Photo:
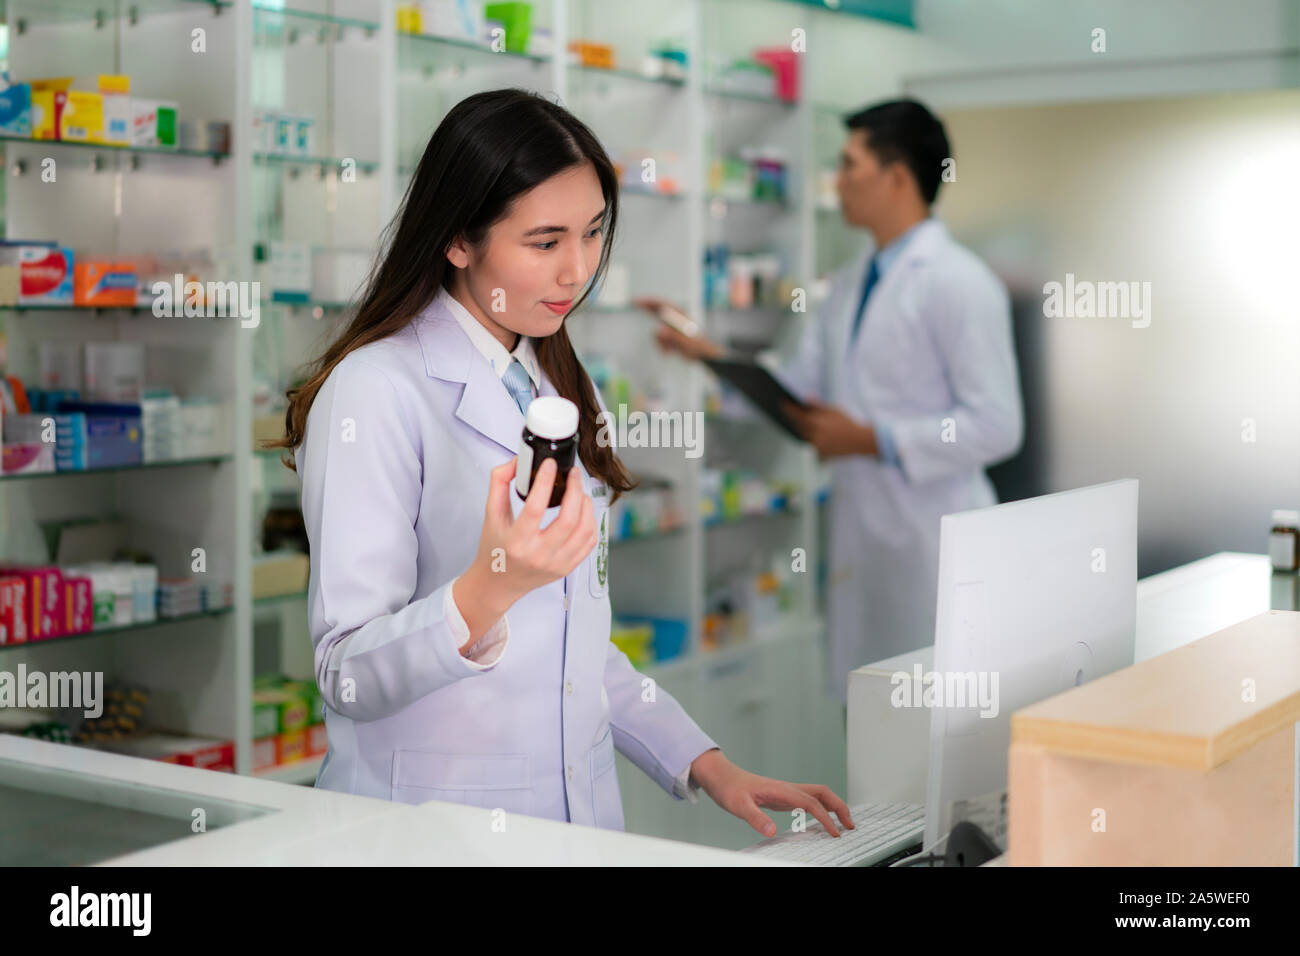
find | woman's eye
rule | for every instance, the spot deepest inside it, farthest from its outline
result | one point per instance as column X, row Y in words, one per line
column 545, row 246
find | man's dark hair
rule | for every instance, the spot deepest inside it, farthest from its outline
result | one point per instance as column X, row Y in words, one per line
column 907, row 132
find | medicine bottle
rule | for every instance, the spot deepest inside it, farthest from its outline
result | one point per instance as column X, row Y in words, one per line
column 550, row 431
column 1284, row 541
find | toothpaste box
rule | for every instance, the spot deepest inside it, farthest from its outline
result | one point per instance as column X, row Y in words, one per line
column 47, row 112
column 97, row 282
column 16, row 109
column 45, row 610
column 95, row 108
column 118, row 112
column 13, row 609
column 79, row 607
column 27, row 458
column 199, row 752
column 153, row 122
column 82, row 117
column 45, row 272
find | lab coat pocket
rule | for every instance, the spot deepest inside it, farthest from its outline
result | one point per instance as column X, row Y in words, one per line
column 598, row 560
column 606, row 800
column 480, row 780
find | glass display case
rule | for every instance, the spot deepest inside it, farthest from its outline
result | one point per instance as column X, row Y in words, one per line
column 66, row 806
column 52, row 817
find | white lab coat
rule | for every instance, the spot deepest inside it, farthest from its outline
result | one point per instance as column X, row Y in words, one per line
column 934, row 360
column 394, row 468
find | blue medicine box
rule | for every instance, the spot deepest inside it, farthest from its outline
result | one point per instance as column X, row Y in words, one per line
column 113, row 435
column 16, row 109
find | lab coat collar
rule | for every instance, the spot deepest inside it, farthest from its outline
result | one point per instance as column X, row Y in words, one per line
column 498, row 356
column 924, row 242
column 929, row 237
column 485, row 405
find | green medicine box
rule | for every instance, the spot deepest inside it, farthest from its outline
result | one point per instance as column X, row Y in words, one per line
column 277, row 711
column 517, row 20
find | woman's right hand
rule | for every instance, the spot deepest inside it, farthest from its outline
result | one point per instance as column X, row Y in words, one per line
column 514, row 555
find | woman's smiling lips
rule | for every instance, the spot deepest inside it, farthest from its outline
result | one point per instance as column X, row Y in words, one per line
column 559, row 308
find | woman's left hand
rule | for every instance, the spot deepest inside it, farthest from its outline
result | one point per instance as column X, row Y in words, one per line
column 742, row 793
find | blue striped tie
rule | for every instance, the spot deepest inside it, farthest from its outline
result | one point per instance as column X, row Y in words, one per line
column 518, row 384
column 873, row 274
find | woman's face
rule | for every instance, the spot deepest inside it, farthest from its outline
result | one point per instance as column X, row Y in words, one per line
column 544, row 251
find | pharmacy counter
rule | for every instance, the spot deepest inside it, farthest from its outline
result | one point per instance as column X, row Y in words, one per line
column 67, row 805
column 1186, row 603
column 888, row 746
column 64, row 805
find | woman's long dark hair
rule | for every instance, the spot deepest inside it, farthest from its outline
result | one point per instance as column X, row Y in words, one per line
column 488, row 149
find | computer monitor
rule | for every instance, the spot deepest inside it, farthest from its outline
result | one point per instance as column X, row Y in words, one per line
column 1035, row 597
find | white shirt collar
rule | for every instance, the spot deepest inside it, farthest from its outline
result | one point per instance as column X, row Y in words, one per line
column 488, row 345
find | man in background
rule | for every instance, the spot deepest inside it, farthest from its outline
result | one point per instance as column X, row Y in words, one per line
column 910, row 380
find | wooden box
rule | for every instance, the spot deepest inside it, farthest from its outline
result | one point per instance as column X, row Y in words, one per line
column 1186, row 759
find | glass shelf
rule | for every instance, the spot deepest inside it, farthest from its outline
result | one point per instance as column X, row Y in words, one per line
column 747, row 201
column 770, row 99
column 309, row 304
column 18, row 13
column 425, row 45
column 626, row 190
column 83, row 309
column 122, row 628
column 273, row 599
column 787, row 512
column 112, row 148
column 283, row 159
column 144, row 466
column 263, row 8
column 657, row 535
column 596, row 72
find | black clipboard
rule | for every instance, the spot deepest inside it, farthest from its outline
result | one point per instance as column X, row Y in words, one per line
column 761, row 388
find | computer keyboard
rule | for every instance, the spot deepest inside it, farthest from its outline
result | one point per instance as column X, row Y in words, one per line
column 880, row 830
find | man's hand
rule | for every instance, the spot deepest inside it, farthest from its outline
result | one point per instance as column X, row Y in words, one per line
column 671, row 340
column 742, row 794
column 832, row 432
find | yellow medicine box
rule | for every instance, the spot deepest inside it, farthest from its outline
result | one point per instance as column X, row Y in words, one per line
column 82, row 119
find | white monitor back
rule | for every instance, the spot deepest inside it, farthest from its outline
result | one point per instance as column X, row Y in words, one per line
column 1035, row 597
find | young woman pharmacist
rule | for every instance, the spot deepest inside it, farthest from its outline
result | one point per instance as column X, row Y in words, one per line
column 461, row 634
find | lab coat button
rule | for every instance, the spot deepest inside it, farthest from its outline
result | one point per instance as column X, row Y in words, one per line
column 570, row 772
column 566, row 602
column 568, row 688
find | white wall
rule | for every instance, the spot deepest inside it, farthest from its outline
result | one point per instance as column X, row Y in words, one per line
column 1199, row 197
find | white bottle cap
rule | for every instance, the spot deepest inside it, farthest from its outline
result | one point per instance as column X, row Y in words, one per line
column 1281, row 517
column 552, row 418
